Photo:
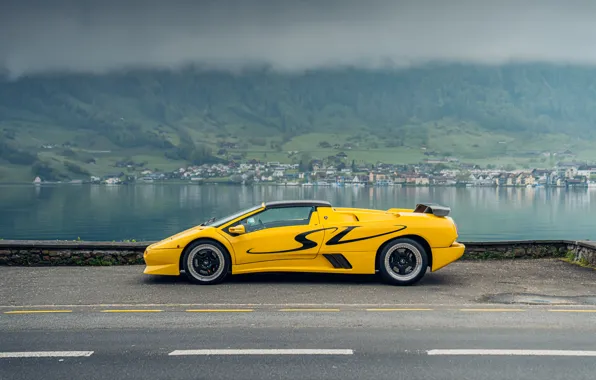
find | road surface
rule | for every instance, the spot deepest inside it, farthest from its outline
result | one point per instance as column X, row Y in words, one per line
column 491, row 320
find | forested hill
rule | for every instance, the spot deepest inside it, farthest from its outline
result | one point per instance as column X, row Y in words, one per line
column 454, row 109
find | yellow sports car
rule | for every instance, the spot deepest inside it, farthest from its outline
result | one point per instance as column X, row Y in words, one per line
column 312, row 236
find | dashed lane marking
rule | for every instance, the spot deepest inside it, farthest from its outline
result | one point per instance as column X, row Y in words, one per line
column 513, row 352
column 291, row 308
column 131, row 311
column 36, row 311
column 219, row 310
column 310, row 310
column 492, row 310
column 574, row 310
column 262, row 352
column 402, row 309
column 44, row 354
column 297, row 351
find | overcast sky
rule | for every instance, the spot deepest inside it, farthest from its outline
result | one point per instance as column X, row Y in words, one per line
column 96, row 36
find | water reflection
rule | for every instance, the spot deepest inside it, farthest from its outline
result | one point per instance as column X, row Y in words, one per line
column 154, row 211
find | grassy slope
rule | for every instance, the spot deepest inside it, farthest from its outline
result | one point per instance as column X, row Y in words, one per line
column 467, row 142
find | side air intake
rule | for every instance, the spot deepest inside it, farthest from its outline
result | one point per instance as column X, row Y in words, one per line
column 338, row 260
column 432, row 208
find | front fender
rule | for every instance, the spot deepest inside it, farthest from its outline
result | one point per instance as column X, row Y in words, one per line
column 164, row 256
column 209, row 233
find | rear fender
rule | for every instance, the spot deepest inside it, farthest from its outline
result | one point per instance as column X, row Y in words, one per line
column 419, row 239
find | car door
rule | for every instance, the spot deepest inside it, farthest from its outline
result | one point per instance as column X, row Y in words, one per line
column 277, row 233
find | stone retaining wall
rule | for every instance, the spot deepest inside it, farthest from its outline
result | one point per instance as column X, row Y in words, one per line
column 73, row 253
column 516, row 249
column 583, row 252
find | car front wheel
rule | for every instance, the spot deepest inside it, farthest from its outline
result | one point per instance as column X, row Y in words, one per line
column 403, row 262
column 206, row 262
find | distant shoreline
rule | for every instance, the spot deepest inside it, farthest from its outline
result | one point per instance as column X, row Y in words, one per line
column 299, row 185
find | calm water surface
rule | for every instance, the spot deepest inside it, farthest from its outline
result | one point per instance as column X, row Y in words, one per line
column 154, row 211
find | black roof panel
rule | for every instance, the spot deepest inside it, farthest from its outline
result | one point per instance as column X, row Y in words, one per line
column 292, row 203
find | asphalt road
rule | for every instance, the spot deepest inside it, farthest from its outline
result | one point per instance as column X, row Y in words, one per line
column 494, row 320
column 460, row 283
column 299, row 345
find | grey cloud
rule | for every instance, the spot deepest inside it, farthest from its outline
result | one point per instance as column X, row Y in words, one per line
column 97, row 36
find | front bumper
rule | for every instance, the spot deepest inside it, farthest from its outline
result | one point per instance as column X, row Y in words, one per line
column 162, row 261
column 445, row 256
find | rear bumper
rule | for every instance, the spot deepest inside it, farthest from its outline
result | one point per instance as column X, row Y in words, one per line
column 162, row 261
column 445, row 256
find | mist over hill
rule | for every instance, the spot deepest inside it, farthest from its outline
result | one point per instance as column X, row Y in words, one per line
column 182, row 116
column 90, row 87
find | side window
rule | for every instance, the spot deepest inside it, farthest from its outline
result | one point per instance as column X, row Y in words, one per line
column 278, row 217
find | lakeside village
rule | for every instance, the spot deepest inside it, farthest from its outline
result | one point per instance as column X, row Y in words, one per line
column 431, row 172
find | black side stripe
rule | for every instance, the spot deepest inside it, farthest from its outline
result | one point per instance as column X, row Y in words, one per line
column 337, row 238
column 338, row 260
column 300, row 238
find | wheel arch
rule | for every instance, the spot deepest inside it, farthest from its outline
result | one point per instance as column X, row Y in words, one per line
column 208, row 240
column 416, row 238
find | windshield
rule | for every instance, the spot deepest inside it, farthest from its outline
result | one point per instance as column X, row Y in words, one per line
column 226, row 219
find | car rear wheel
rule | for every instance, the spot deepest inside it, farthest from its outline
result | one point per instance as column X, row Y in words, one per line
column 403, row 262
column 206, row 262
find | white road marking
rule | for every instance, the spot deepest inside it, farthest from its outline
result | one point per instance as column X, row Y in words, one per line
column 262, row 352
column 44, row 354
column 483, row 352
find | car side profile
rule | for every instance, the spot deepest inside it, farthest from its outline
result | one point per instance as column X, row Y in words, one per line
column 312, row 237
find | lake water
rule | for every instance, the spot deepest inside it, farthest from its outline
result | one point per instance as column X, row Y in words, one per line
column 155, row 211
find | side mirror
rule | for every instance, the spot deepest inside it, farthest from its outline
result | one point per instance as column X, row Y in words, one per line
column 239, row 229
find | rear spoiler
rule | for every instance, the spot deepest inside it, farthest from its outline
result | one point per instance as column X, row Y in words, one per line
column 432, row 208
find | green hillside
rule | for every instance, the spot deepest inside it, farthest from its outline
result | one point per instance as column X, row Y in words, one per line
column 163, row 120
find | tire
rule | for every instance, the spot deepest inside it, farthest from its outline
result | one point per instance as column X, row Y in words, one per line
column 404, row 253
column 215, row 267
